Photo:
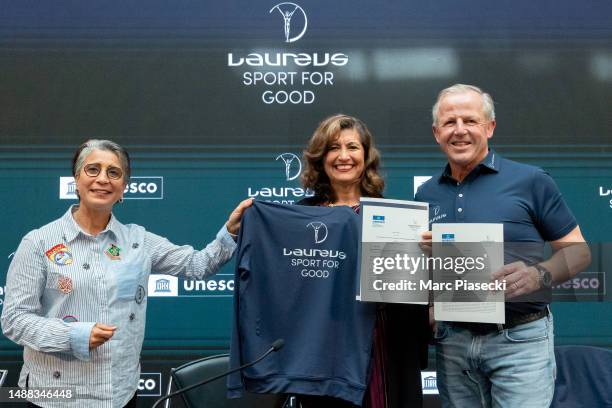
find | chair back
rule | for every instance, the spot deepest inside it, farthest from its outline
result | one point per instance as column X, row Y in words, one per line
column 213, row 394
column 584, row 377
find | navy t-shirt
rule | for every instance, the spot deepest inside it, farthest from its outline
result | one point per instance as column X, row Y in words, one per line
column 524, row 198
column 296, row 279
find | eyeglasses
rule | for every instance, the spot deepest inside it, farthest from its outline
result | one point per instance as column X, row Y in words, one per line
column 93, row 170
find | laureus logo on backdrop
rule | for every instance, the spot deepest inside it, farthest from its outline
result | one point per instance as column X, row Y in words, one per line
column 288, row 77
column 288, row 159
column 287, row 10
column 291, row 169
column 605, row 192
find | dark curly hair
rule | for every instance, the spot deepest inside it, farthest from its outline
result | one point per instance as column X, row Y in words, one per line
column 314, row 176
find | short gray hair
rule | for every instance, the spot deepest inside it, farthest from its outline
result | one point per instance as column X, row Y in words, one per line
column 89, row 146
column 487, row 102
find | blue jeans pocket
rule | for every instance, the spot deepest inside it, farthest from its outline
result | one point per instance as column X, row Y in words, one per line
column 528, row 332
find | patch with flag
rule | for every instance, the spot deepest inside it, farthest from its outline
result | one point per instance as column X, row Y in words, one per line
column 113, row 252
column 59, row 255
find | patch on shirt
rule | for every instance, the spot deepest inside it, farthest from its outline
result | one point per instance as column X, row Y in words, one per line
column 113, row 252
column 69, row 319
column 140, row 294
column 64, row 284
column 59, row 255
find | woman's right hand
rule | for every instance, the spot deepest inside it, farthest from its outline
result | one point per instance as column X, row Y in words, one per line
column 233, row 223
column 100, row 334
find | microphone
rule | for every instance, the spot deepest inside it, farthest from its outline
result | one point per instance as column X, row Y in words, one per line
column 275, row 346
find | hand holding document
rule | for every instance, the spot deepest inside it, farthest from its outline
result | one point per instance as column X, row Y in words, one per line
column 392, row 263
column 395, row 268
column 464, row 292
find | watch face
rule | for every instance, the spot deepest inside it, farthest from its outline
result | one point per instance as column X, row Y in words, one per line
column 545, row 276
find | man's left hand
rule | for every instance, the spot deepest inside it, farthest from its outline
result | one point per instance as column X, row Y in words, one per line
column 520, row 279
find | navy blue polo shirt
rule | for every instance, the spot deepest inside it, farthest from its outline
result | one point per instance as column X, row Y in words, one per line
column 522, row 197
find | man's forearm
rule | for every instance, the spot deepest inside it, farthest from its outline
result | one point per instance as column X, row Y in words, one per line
column 567, row 261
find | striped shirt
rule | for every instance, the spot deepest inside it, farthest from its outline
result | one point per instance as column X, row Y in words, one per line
column 62, row 281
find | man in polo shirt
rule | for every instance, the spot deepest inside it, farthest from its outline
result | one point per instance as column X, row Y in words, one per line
column 484, row 365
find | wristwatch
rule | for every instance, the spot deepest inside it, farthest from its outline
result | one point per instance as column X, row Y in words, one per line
column 545, row 277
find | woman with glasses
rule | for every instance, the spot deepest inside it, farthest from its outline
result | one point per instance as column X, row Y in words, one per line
column 76, row 290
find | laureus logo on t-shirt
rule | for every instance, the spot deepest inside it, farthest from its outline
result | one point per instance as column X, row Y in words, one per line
column 315, row 262
column 320, row 231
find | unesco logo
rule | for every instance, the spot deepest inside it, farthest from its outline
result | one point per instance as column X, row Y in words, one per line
column 144, row 188
column 429, row 383
column 289, row 159
column 162, row 285
column 320, row 231
column 149, row 385
column 139, row 188
column 294, row 17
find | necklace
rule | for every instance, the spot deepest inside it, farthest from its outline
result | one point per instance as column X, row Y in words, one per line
column 337, row 205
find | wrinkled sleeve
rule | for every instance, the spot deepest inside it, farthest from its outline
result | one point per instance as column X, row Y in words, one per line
column 553, row 217
column 171, row 259
column 21, row 316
